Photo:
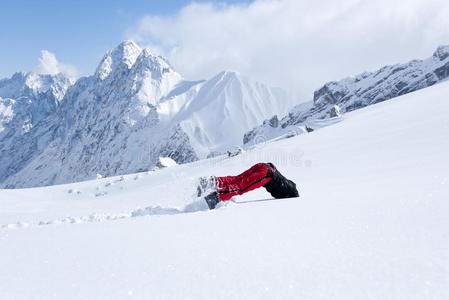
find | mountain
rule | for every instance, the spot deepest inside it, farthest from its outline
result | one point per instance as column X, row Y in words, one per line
column 26, row 99
column 356, row 92
column 215, row 118
column 133, row 110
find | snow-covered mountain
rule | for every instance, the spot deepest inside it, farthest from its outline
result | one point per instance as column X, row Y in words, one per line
column 26, row 99
column 356, row 92
column 134, row 109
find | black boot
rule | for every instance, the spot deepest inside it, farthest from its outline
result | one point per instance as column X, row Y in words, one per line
column 212, row 200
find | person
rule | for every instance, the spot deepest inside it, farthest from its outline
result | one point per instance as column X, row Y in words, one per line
column 216, row 189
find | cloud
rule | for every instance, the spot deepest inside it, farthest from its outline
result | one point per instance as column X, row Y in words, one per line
column 48, row 64
column 295, row 44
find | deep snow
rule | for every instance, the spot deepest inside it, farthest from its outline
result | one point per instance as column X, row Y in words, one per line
column 371, row 222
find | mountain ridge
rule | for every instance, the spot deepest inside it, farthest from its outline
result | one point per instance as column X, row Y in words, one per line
column 132, row 110
column 352, row 93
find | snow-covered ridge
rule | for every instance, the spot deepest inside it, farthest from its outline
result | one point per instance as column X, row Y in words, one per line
column 32, row 84
column 26, row 99
column 134, row 109
column 356, row 92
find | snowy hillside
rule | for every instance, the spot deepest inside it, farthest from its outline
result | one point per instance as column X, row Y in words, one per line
column 134, row 109
column 371, row 222
column 356, row 92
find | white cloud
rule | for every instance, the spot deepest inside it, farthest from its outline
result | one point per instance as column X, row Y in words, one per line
column 296, row 44
column 48, row 64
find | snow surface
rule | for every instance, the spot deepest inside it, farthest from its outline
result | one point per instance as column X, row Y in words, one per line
column 371, row 222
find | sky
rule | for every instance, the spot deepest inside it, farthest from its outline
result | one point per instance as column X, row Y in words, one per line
column 77, row 32
column 295, row 44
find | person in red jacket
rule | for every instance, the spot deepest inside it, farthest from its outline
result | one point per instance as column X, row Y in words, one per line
column 265, row 175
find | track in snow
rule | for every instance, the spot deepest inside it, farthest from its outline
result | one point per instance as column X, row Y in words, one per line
column 102, row 217
column 195, row 206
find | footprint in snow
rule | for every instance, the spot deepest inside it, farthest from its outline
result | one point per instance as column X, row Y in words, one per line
column 100, row 194
column 73, row 191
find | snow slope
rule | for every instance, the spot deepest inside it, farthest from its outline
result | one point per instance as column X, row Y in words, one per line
column 371, row 222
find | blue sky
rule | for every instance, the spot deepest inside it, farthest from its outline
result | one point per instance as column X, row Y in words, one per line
column 295, row 44
column 78, row 32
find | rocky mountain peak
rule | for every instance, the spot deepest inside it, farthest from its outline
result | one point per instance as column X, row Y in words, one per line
column 118, row 59
column 442, row 52
column 32, row 84
column 127, row 52
column 157, row 65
